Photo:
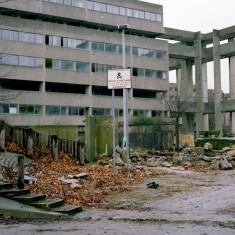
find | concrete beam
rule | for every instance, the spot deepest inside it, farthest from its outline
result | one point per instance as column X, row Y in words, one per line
column 177, row 35
column 179, row 51
column 227, row 33
column 174, row 64
column 227, row 50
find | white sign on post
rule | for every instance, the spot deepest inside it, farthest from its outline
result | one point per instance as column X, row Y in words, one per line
column 119, row 79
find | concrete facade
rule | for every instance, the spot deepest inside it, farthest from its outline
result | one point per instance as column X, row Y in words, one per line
column 73, row 48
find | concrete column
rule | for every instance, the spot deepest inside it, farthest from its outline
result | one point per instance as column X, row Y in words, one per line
column 198, row 83
column 178, row 80
column 186, row 95
column 42, row 88
column 205, row 95
column 88, row 90
column 2, row 135
column 232, row 89
column 166, row 111
column 186, row 84
column 217, row 81
column 187, row 123
column 130, row 92
column 148, row 113
column 130, row 113
column 89, row 95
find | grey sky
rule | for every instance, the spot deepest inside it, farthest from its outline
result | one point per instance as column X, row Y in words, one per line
column 200, row 15
column 197, row 15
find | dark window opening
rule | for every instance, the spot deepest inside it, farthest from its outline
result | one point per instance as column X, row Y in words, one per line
column 105, row 91
column 48, row 63
column 20, row 85
column 144, row 94
column 65, row 88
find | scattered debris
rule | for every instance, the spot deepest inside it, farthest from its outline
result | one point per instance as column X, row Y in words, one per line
column 79, row 176
column 178, row 168
column 88, row 185
column 225, row 165
column 152, row 185
column 29, row 180
column 69, row 180
column 225, row 149
column 208, row 146
column 166, row 164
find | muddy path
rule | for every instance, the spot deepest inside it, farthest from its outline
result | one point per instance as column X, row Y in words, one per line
column 184, row 203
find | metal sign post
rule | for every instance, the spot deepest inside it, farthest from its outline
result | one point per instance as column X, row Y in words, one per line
column 120, row 79
column 113, row 123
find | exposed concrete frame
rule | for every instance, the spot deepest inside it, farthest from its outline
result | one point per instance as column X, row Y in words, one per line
column 193, row 46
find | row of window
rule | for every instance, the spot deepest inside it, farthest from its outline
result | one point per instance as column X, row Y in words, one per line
column 67, row 65
column 74, row 3
column 149, row 73
column 116, row 10
column 111, row 9
column 66, row 42
column 37, row 109
column 105, row 47
column 136, row 72
column 77, row 66
column 109, row 47
column 79, row 44
column 61, row 110
column 12, row 35
column 22, row 109
column 21, row 60
column 75, row 111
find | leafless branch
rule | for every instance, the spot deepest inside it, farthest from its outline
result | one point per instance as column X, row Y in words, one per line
column 6, row 72
column 5, row 96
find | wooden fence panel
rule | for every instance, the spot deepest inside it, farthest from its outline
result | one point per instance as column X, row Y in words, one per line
column 145, row 137
column 20, row 136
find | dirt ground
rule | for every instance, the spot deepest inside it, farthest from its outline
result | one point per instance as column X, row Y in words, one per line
column 186, row 202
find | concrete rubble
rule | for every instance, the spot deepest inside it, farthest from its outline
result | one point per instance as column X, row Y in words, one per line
column 188, row 158
column 74, row 181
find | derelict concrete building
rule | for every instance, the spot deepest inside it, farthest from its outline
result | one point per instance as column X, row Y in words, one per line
column 55, row 55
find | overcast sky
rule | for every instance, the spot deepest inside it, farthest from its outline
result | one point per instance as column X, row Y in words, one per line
column 200, row 15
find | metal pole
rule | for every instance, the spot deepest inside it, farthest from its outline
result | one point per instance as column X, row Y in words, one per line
column 113, row 115
column 223, row 115
column 125, row 107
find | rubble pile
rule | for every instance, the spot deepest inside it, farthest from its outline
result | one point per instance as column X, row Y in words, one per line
column 193, row 158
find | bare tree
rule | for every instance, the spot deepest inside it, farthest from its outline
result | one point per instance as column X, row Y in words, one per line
column 179, row 102
column 7, row 71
